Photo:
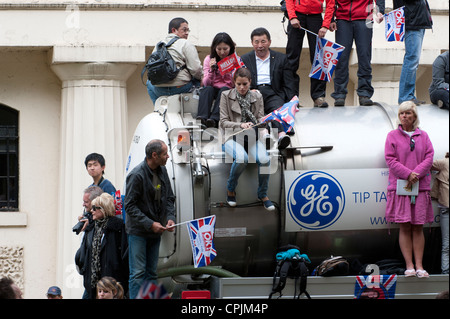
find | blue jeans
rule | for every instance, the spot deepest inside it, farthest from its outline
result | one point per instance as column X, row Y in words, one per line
column 444, row 232
column 257, row 151
column 156, row 91
column 143, row 256
column 413, row 48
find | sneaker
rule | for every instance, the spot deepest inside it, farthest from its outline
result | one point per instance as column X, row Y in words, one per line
column 283, row 142
column 365, row 101
column 417, row 102
column 320, row 102
column 268, row 205
column 440, row 103
column 339, row 102
column 231, row 200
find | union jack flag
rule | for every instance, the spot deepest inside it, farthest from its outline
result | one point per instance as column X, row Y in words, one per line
column 285, row 114
column 201, row 233
column 395, row 25
column 375, row 287
column 326, row 58
column 152, row 290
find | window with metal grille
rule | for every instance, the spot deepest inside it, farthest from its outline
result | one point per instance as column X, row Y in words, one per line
column 9, row 159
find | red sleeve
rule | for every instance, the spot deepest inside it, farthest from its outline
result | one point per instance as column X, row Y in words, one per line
column 329, row 11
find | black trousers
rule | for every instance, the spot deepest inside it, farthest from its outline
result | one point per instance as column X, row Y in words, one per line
column 207, row 96
column 313, row 23
column 272, row 101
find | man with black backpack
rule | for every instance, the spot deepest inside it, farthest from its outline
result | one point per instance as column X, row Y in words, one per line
column 184, row 64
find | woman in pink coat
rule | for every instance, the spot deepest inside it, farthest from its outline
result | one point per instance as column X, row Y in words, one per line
column 213, row 82
column 409, row 156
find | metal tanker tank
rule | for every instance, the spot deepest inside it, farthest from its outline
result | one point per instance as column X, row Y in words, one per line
column 339, row 150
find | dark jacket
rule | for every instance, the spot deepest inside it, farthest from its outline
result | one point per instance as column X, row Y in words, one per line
column 417, row 14
column 113, row 255
column 440, row 75
column 141, row 209
column 281, row 77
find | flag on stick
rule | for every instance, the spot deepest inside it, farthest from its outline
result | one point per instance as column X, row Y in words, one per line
column 285, row 114
column 201, row 233
column 395, row 25
column 325, row 60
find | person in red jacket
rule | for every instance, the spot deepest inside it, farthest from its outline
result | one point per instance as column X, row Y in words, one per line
column 307, row 14
column 354, row 19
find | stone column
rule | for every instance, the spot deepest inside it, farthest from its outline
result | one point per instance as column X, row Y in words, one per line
column 93, row 119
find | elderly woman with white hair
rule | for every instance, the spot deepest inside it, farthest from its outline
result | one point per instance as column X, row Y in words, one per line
column 409, row 156
column 104, row 247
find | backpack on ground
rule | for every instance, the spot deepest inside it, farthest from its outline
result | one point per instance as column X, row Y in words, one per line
column 386, row 267
column 333, row 266
column 290, row 264
column 161, row 67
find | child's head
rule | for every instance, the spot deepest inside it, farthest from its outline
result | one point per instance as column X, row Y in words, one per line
column 95, row 164
column 109, row 288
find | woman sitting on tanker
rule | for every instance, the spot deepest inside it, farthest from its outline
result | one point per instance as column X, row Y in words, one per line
column 409, row 156
column 213, row 82
column 241, row 109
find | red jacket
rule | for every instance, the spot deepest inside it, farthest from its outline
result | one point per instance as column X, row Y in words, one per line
column 311, row 7
column 356, row 9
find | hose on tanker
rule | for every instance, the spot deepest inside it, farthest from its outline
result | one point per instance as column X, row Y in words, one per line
column 191, row 270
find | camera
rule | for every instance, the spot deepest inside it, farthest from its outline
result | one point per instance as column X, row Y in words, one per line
column 77, row 228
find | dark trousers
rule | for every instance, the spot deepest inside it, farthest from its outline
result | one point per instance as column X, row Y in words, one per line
column 272, row 101
column 207, row 96
column 294, row 46
column 440, row 94
column 346, row 32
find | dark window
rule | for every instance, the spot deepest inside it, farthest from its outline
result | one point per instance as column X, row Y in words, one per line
column 9, row 159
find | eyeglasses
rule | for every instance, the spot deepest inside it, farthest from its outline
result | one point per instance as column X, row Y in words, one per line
column 96, row 207
column 412, row 144
column 186, row 30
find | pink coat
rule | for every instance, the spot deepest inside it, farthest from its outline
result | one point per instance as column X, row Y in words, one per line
column 214, row 78
column 402, row 161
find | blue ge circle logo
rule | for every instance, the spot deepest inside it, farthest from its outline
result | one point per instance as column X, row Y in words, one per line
column 315, row 200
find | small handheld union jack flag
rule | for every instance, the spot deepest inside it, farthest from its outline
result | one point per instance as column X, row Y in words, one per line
column 285, row 114
column 201, row 233
column 152, row 290
column 325, row 60
column 375, row 287
column 395, row 25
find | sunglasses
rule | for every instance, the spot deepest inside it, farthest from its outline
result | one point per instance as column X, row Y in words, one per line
column 96, row 207
column 412, row 144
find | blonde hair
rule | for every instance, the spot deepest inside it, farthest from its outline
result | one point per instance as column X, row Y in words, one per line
column 409, row 106
column 110, row 284
column 106, row 202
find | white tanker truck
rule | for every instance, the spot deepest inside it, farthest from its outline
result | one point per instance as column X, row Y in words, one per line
column 336, row 151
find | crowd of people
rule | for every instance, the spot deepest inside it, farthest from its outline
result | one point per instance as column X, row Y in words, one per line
column 116, row 258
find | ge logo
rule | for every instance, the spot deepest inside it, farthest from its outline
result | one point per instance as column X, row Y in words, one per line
column 315, row 200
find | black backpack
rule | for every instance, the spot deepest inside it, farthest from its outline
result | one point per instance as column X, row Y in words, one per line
column 295, row 268
column 160, row 67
